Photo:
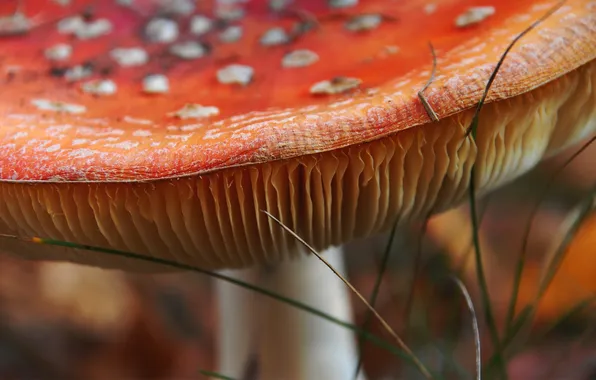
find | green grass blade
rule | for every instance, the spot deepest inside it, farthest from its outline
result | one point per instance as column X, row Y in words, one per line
column 540, row 336
column 265, row 292
column 447, row 351
column 374, row 294
column 526, row 318
column 522, row 257
column 577, row 309
column 415, row 272
column 475, row 328
column 401, row 343
column 584, row 212
column 472, row 130
column 507, row 339
column 482, row 282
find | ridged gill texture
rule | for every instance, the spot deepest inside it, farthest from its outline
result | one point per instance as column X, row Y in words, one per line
column 215, row 220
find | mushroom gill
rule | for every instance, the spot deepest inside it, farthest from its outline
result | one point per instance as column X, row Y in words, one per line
column 214, row 220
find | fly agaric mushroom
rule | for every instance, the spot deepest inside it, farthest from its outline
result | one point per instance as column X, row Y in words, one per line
column 308, row 110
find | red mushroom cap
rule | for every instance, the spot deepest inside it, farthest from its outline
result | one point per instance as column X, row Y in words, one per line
column 166, row 127
column 113, row 131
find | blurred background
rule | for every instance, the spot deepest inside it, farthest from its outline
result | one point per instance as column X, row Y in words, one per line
column 63, row 321
column 67, row 322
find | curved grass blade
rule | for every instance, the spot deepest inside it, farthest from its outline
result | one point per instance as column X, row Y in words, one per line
column 583, row 213
column 415, row 271
column 423, row 370
column 427, row 107
column 373, row 297
column 434, row 117
column 475, row 327
column 385, row 258
column 474, row 127
column 533, row 213
column 267, row 293
column 482, row 281
column 465, row 257
column 514, row 323
column 527, row 316
column 541, row 336
column 472, row 130
column 577, row 309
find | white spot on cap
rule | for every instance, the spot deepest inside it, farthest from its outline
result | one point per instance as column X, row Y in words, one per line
column 126, row 57
column 391, row 49
column 20, row 135
column 335, row 86
column 48, row 105
column 231, row 34
column 84, row 30
column 299, row 58
column 58, row 52
column 156, row 84
column 70, row 24
column 195, row 111
column 100, row 87
column 278, row 5
column 200, row 25
column 162, row 30
column 212, row 134
column 188, row 50
column 78, row 72
column 89, row 131
column 12, row 69
column 430, row 8
column 190, row 127
column 94, row 29
column 179, row 137
column 80, row 141
column 363, row 22
column 474, row 15
column 142, row 133
column 275, row 36
column 342, row 3
column 53, row 148
column 16, row 23
column 541, row 7
column 81, row 153
column 228, row 12
column 134, row 120
column 235, row 73
column 62, row 2
column 126, row 145
column 387, row 51
column 180, row 7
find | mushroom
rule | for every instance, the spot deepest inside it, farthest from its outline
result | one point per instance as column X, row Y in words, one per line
column 337, row 144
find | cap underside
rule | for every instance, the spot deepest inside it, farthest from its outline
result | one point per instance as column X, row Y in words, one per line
column 215, row 220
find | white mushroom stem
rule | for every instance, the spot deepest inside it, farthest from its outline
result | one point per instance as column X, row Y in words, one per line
column 293, row 344
column 237, row 313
